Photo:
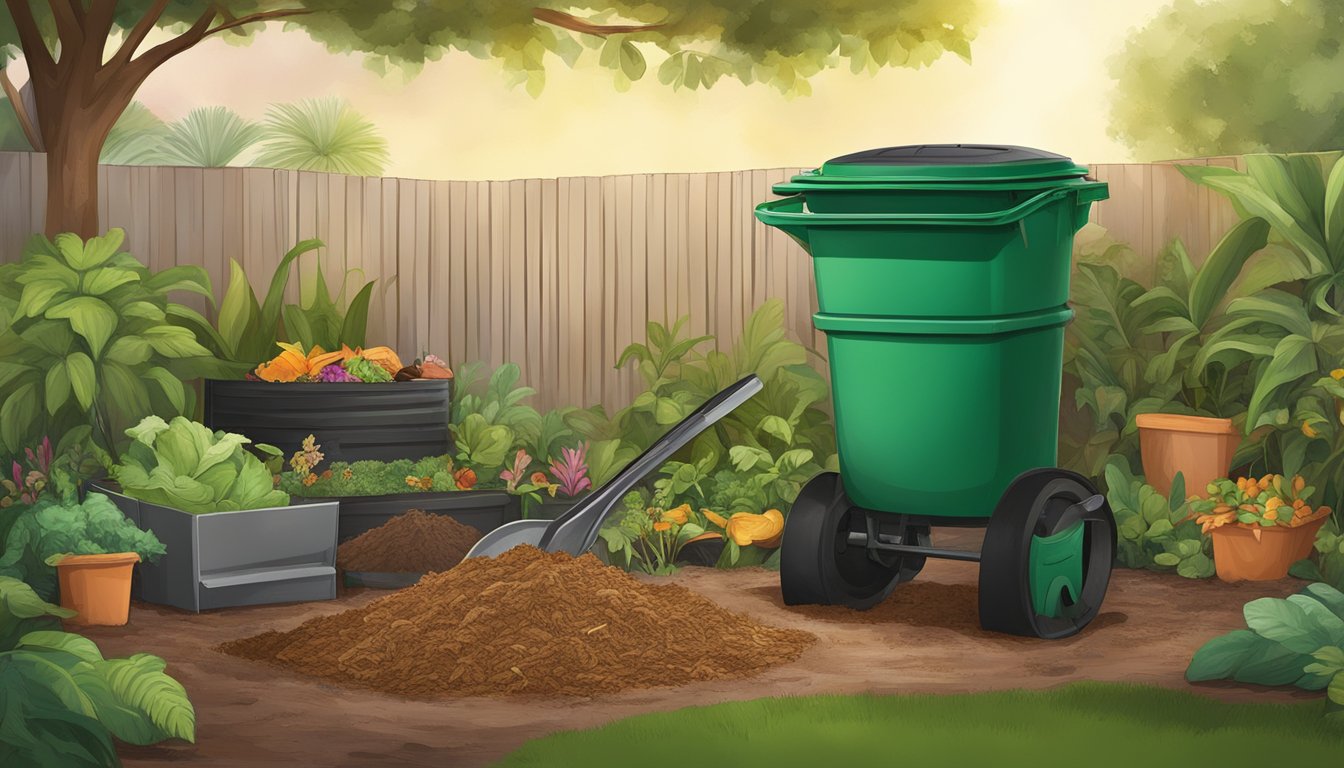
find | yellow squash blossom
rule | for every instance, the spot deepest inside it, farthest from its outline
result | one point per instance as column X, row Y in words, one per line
column 746, row 528
column 714, row 518
column 678, row 515
column 662, row 525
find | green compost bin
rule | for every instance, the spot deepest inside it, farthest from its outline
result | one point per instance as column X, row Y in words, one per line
column 952, row 231
column 942, row 276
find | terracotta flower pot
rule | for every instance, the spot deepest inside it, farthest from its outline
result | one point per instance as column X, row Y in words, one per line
column 1239, row 556
column 1198, row 447
column 98, row 587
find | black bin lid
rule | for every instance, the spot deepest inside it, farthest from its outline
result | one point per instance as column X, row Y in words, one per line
column 946, row 163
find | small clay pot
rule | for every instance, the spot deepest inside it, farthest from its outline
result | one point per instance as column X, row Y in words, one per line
column 97, row 587
column 1198, row 447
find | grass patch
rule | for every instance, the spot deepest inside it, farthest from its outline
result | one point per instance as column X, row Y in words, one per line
column 1085, row 724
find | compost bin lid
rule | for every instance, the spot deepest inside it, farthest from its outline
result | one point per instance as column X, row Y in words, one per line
column 946, row 163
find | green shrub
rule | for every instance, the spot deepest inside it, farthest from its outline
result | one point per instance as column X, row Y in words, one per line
column 43, row 532
column 1296, row 641
column 1155, row 532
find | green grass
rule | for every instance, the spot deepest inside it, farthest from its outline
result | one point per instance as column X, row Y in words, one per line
column 1085, row 725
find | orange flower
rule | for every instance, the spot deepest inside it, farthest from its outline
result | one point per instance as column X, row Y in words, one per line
column 326, row 474
column 678, row 515
column 714, row 518
column 309, row 479
column 764, row 530
column 465, row 479
column 412, row 481
column 539, row 478
column 662, row 525
column 347, row 474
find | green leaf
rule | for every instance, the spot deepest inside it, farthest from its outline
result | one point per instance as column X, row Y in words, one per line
column 356, row 322
column 1327, row 595
column 82, row 378
column 237, row 312
column 1285, row 623
column 99, row 281
column 130, row 350
column 185, row 277
column 1294, row 357
column 144, row 310
column 172, row 388
column 56, row 389
column 89, row 317
column 1334, row 212
column 1214, row 279
column 173, row 341
column 17, row 415
column 80, row 647
column 297, row 326
column 151, row 705
column 39, row 296
column 1220, row 657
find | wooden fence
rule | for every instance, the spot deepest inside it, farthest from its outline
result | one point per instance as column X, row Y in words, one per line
column 558, row 275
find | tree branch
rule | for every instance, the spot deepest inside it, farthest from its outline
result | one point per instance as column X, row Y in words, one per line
column 21, row 111
column 69, row 27
column 263, row 16
column 139, row 32
column 575, row 24
column 35, row 51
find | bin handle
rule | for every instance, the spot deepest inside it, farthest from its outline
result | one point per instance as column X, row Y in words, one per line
column 789, row 210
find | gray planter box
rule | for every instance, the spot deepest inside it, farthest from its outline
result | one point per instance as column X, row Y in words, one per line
column 229, row 559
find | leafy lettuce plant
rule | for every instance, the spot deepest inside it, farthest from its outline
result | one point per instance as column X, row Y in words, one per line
column 64, row 702
column 1295, row 641
column 1156, row 532
column 185, row 466
column 49, row 530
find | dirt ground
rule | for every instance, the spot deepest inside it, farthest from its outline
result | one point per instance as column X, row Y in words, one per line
column 925, row 638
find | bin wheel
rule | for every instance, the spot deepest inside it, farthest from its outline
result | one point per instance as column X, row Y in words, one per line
column 1032, row 514
column 818, row 565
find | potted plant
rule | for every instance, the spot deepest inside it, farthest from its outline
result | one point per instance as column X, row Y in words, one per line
column 1260, row 527
column 369, row 493
column 87, row 547
column 548, row 496
column 232, row 538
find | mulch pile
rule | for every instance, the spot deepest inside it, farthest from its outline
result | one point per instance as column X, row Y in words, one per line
column 528, row 622
column 414, row 542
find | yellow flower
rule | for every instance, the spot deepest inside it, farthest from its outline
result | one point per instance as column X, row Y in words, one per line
column 678, row 515
column 1272, row 505
column 662, row 525
column 1308, row 431
column 347, row 474
column 413, row 481
column 714, row 518
column 309, row 479
column 1337, row 374
column 1298, row 484
column 1271, row 515
column 764, row 530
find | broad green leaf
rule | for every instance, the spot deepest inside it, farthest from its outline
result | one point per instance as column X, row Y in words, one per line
column 356, row 322
column 1220, row 657
column 89, row 317
column 122, row 390
column 1334, row 212
column 1253, row 198
column 1294, row 357
column 144, row 310
column 270, row 309
column 172, row 388
column 18, row 600
column 42, row 668
column 78, row 646
column 82, row 379
column 777, row 426
column 236, row 313
column 56, row 389
column 17, row 414
column 174, row 341
column 99, row 281
column 184, row 277
column 1285, row 623
column 130, row 350
column 1275, row 307
column 1327, row 595
column 1224, row 264
column 139, row 684
column 39, row 296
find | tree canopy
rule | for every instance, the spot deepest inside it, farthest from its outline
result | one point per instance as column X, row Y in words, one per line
column 1233, row 77
column 85, row 59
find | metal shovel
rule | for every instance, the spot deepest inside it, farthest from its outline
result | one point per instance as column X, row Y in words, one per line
column 576, row 530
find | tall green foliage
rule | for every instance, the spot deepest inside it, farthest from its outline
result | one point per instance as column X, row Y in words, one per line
column 137, row 138
column 209, row 137
column 324, row 134
column 89, row 335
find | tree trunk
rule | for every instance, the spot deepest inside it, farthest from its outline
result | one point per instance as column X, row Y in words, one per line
column 72, row 181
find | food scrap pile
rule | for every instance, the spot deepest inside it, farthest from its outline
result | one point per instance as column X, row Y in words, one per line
column 528, row 622
column 414, row 542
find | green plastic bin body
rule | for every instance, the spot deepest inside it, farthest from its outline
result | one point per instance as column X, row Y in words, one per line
column 936, row 417
column 942, row 276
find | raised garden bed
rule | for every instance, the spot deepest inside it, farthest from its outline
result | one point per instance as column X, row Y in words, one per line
column 353, row 421
column 482, row 510
column 228, row 559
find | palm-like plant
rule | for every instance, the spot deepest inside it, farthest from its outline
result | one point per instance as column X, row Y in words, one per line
column 210, row 137
column 136, row 139
column 323, row 134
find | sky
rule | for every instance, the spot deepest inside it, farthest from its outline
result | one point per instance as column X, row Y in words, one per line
column 1039, row 78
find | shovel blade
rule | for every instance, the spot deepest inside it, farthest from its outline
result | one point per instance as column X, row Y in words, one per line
column 508, row 536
